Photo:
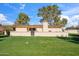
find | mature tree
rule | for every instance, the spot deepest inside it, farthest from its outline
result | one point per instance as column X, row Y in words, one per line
column 23, row 19
column 49, row 12
column 60, row 22
column 52, row 15
column 64, row 21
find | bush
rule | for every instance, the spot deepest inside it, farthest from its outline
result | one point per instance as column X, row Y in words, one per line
column 75, row 35
column 1, row 33
column 8, row 32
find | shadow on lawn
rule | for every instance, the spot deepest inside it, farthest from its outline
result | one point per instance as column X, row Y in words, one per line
column 70, row 39
column 2, row 37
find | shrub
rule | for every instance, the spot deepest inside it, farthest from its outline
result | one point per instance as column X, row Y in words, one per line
column 8, row 32
column 1, row 33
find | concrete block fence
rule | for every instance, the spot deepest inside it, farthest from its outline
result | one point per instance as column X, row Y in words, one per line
column 19, row 33
column 52, row 34
column 49, row 34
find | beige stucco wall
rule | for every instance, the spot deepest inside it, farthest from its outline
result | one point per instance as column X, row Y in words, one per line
column 55, row 29
column 72, row 31
column 52, row 34
column 45, row 26
column 49, row 34
column 21, row 29
column 20, row 33
column 42, row 29
column 39, row 29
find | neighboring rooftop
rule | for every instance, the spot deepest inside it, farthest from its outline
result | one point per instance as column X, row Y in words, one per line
column 1, row 29
column 70, row 28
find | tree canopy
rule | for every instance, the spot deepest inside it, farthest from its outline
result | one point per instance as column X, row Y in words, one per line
column 52, row 15
column 22, row 19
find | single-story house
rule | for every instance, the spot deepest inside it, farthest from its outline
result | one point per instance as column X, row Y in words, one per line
column 44, row 27
column 38, row 30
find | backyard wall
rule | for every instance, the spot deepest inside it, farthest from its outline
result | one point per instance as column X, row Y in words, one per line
column 21, row 29
column 50, row 34
column 39, row 29
column 20, row 33
column 55, row 29
column 72, row 31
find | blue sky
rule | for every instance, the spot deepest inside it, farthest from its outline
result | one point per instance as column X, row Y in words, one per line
column 9, row 12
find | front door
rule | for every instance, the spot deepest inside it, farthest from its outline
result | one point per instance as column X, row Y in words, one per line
column 32, row 31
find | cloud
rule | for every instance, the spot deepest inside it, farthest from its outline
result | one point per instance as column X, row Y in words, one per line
column 2, row 17
column 76, row 17
column 75, row 20
column 68, row 19
column 12, row 7
column 72, row 21
column 72, row 11
column 72, row 15
column 22, row 6
column 63, row 16
column 4, row 21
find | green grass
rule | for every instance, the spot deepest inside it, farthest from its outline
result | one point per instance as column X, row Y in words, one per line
column 39, row 46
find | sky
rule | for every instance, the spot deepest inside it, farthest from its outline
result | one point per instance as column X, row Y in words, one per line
column 9, row 12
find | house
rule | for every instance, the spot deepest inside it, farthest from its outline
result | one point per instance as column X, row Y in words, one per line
column 38, row 30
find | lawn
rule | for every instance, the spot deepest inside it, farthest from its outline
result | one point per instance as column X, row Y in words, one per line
column 39, row 46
